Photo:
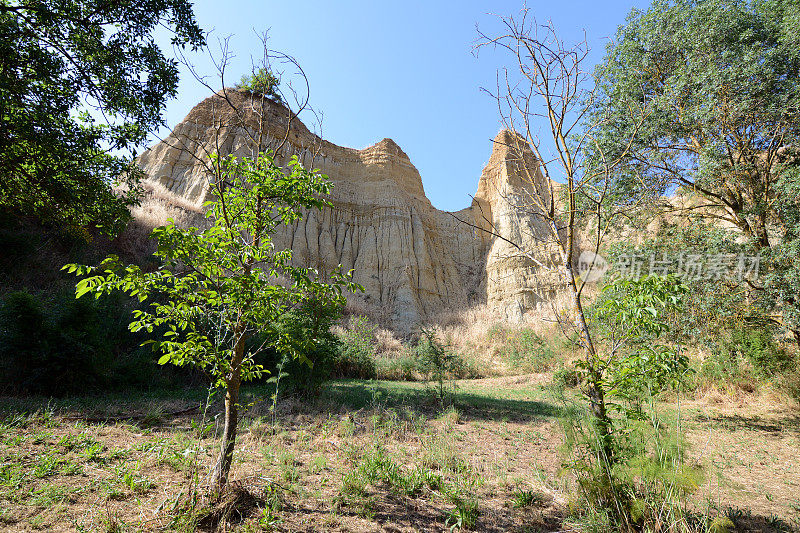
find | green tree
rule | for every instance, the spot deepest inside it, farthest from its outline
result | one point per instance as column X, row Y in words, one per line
column 219, row 287
column 261, row 81
column 436, row 362
column 82, row 83
column 717, row 82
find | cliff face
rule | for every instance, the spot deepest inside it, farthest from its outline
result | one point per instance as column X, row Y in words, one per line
column 413, row 260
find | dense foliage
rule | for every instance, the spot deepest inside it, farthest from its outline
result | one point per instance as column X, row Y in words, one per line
column 708, row 91
column 262, row 81
column 628, row 473
column 357, row 349
column 311, row 321
column 82, row 83
column 54, row 345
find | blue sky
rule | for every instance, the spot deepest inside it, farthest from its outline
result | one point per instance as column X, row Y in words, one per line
column 403, row 70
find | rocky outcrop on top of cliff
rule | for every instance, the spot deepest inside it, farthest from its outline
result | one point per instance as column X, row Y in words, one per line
column 414, row 260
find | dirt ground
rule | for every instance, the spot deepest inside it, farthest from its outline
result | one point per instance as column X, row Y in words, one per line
column 367, row 456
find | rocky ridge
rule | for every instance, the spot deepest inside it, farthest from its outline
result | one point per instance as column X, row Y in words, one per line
column 414, row 260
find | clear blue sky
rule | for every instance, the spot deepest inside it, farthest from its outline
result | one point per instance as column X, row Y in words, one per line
column 403, row 70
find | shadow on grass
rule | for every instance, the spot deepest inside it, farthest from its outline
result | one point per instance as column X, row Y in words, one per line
column 157, row 407
column 474, row 405
column 754, row 423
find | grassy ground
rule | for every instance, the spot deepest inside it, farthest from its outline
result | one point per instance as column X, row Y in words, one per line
column 365, row 456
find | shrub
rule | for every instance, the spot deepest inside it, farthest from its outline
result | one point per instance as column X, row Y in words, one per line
column 524, row 350
column 415, row 364
column 404, row 367
column 57, row 345
column 261, row 81
column 357, row 351
column 438, row 364
column 65, row 345
column 744, row 353
column 309, row 326
column 757, row 345
column 566, row 377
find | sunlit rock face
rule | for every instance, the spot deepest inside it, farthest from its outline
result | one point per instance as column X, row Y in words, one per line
column 414, row 260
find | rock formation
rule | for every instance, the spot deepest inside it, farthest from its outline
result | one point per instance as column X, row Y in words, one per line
column 414, row 261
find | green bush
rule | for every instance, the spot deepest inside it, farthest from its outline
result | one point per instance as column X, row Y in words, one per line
column 438, row 364
column 411, row 365
column 261, row 81
column 61, row 345
column 758, row 346
column 357, row 350
column 524, row 350
column 745, row 353
column 310, row 327
column 404, row 367
column 566, row 377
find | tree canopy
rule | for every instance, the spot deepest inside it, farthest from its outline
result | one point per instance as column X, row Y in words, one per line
column 261, row 81
column 708, row 90
column 718, row 82
column 82, row 83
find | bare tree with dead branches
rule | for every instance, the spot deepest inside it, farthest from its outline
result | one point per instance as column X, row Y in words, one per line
column 564, row 174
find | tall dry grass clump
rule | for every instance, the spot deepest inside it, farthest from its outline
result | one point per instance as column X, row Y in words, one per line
column 158, row 205
column 486, row 337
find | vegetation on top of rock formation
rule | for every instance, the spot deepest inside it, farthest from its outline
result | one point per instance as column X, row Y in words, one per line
column 261, row 81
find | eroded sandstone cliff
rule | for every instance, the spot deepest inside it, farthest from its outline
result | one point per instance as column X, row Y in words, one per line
column 414, row 260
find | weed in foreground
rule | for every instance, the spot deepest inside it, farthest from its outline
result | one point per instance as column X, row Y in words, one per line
column 528, row 498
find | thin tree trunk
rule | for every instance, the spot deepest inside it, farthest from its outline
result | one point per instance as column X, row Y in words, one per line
column 597, row 401
column 223, row 466
column 761, row 234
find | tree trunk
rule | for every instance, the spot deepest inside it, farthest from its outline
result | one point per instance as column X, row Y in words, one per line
column 596, row 393
column 223, row 466
column 761, row 234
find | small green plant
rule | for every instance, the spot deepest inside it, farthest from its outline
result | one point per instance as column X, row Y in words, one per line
column 318, row 464
column 201, row 429
column 464, row 515
column 93, row 451
column 526, row 351
column 354, row 483
column 131, row 477
column 527, row 498
column 629, row 467
column 261, row 81
column 437, row 364
column 271, row 508
column 48, row 465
